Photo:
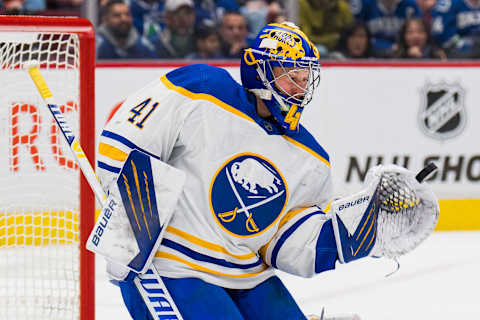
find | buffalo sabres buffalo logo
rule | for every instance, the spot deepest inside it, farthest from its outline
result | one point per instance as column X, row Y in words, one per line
column 442, row 113
column 247, row 195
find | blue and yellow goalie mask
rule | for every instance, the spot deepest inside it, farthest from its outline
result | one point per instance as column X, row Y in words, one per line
column 282, row 68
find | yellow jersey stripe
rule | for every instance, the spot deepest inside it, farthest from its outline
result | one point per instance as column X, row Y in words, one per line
column 204, row 96
column 304, row 147
column 283, row 221
column 290, row 215
column 208, row 245
column 263, row 250
column 111, row 152
column 166, row 255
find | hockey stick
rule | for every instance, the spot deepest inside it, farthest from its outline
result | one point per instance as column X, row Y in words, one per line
column 149, row 285
column 425, row 172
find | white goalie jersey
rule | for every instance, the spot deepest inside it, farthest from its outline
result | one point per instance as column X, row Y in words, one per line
column 252, row 198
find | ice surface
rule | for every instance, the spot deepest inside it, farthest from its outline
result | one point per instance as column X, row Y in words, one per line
column 439, row 280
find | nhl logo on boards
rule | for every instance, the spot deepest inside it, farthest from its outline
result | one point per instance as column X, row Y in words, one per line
column 442, row 112
column 247, row 195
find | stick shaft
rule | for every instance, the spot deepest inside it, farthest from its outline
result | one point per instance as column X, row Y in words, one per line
column 68, row 134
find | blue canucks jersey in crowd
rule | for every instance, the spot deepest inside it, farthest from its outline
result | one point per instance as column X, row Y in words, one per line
column 147, row 17
column 383, row 23
column 210, row 12
column 456, row 23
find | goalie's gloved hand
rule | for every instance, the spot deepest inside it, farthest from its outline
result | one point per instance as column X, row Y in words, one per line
column 391, row 216
column 354, row 220
column 408, row 212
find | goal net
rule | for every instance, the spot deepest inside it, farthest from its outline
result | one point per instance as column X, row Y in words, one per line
column 46, row 211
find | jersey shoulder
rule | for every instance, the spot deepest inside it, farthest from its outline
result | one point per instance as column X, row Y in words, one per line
column 201, row 81
column 305, row 140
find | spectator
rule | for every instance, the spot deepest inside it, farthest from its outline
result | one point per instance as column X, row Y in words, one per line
column 233, row 34
column 426, row 7
column 206, row 13
column 323, row 20
column 416, row 43
column 147, row 16
column 13, row 7
column 207, row 44
column 34, row 5
column 22, row 6
column 226, row 5
column 255, row 13
column 116, row 36
column 65, row 4
column 354, row 43
column 258, row 13
column 176, row 40
column 384, row 18
column 210, row 12
column 276, row 13
column 456, row 27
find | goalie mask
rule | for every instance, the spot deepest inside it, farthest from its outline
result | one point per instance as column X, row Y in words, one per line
column 282, row 53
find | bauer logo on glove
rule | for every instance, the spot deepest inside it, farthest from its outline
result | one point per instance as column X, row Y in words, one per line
column 355, row 223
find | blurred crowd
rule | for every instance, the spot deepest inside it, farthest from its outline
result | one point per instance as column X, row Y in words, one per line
column 41, row 7
column 185, row 29
column 221, row 29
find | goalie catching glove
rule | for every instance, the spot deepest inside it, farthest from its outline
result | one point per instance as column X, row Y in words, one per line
column 390, row 217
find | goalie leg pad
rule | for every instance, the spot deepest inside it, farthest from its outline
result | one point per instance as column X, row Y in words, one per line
column 156, row 296
column 194, row 298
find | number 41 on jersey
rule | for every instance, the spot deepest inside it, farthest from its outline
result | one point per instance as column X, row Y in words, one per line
column 141, row 112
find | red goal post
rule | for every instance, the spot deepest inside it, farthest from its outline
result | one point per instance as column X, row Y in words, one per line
column 46, row 206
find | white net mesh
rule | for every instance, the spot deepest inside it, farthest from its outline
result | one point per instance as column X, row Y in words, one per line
column 39, row 181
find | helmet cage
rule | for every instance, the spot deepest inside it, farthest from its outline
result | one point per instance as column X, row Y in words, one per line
column 265, row 62
column 285, row 100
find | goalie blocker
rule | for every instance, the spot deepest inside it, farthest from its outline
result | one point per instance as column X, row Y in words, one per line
column 390, row 217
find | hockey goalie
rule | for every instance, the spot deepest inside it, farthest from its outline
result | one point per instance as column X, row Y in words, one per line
column 225, row 185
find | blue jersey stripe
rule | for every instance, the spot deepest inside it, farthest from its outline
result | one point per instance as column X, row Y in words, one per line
column 126, row 142
column 201, row 257
column 107, row 167
column 287, row 234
